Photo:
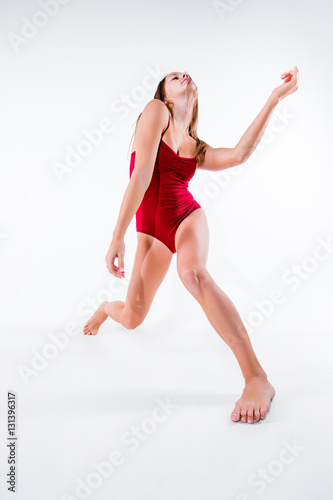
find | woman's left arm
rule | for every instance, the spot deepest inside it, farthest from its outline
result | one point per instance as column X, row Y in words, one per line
column 252, row 136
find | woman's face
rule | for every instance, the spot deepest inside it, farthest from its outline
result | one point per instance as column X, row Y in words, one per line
column 178, row 84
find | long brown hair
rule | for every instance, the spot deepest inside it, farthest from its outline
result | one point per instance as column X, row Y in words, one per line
column 201, row 146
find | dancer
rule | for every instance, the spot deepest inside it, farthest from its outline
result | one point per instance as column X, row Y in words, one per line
column 165, row 155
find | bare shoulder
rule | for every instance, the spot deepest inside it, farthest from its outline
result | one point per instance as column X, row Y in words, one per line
column 220, row 158
column 147, row 139
column 153, row 120
column 156, row 110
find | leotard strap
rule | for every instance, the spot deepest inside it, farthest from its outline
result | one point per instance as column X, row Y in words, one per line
column 167, row 125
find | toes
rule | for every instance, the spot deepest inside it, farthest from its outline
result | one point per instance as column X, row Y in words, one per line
column 256, row 414
column 235, row 415
column 243, row 415
column 250, row 416
column 87, row 329
column 263, row 412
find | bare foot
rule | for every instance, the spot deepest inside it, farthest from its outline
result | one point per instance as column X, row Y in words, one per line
column 254, row 402
column 92, row 325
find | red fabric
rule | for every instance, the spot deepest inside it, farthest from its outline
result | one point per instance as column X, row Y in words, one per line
column 167, row 201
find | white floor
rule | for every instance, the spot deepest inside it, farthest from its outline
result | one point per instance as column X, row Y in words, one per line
column 156, row 402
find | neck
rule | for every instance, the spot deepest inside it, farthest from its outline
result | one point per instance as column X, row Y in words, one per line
column 182, row 114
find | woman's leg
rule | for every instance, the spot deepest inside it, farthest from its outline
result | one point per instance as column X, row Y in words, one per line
column 192, row 240
column 151, row 263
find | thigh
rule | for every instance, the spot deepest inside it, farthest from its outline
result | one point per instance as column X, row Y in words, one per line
column 192, row 241
column 151, row 263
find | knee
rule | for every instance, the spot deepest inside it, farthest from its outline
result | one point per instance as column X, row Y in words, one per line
column 131, row 321
column 193, row 277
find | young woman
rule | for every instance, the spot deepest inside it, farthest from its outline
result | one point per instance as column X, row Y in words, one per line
column 169, row 220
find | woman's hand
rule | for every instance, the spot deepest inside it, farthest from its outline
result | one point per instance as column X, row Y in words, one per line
column 117, row 249
column 289, row 85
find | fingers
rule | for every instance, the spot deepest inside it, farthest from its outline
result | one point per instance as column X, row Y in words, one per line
column 121, row 263
column 121, row 273
column 289, row 74
column 116, row 271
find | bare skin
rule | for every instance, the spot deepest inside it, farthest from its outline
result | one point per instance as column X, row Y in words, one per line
column 254, row 403
column 153, row 258
column 192, row 239
column 92, row 325
column 151, row 263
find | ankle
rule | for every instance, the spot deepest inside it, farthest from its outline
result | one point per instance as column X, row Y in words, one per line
column 257, row 375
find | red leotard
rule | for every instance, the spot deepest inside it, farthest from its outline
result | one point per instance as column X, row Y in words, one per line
column 167, row 201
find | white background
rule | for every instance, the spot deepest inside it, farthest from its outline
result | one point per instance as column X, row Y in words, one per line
column 97, row 60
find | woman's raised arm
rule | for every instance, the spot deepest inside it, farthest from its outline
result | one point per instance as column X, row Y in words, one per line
column 221, row 158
